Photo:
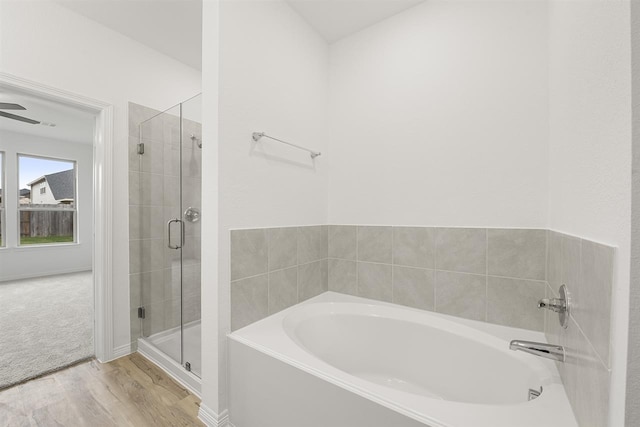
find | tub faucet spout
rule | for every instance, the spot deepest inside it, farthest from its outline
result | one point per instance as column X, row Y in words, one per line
column 548, row 351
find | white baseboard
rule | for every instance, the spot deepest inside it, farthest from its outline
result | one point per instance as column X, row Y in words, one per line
column 211, row 419
column 44, row 274
column 121, row 351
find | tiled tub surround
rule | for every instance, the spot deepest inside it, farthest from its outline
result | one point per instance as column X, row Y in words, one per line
column 587, row 268
column 154, row 198
column 275, row 268
column 494, row 275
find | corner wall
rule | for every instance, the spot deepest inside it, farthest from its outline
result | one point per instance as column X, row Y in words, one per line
column 590, row 153
column 273, row 79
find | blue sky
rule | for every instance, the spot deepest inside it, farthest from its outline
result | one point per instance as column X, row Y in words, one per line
column 33, row 167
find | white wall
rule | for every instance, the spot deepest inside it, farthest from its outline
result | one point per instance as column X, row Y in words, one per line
column 46, row 43
column 633, row 359
column 273, row 78
column 590, row 145
column 21, row 262
column 439, row 117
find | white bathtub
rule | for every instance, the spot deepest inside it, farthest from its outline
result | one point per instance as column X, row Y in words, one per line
column 337, row 360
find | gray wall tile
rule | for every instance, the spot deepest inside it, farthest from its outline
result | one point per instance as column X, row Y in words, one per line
column 153, row 158
column 517, row 253
column 283, row 289
column 312, row 279
column 375, row 244
column 375, row 281
column 592, row 298
column 460, row 294
column 592, row 388
column 283, row 247
column 414, row 287
column 248, row 253
column 342, row 241
column 514, row 302
column 462, row 250
column 554, row 259
column 146, row 222
column 249, row 301
column 343, row 276
column 151, row 189
column 312, row 243
column 414, row 246
column 571, row 274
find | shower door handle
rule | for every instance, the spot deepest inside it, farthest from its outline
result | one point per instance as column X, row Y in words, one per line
column 169, row 233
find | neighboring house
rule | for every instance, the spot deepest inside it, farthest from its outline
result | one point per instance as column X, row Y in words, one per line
column 25, row 195
column 53, row 189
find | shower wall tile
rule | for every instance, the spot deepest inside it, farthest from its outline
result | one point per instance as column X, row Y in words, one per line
column 138, row 114
column 414, row 246
column 134, row 158
column 342, row 241
column 375, row 244
column 414, row 287
column 517, row 253
column 156, row 280
column 249, row 254
column 462, row 250
column 153, row 159
column 514, row 302
column 461, row 294
column 375, row 281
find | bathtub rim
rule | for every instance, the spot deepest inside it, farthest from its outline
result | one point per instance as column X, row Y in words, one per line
column 554, row 390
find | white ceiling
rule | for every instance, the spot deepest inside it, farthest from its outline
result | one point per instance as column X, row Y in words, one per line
column 172, row 27
column 335, row 19
column 72, row 125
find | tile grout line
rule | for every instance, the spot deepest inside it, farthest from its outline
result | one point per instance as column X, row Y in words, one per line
column 486, row 277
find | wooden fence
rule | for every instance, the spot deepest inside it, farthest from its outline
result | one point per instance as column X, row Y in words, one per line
column 46, row 223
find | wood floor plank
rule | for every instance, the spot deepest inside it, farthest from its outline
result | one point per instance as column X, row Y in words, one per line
column 128, row 392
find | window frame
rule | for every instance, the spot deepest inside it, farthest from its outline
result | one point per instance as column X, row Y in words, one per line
column 20, row 208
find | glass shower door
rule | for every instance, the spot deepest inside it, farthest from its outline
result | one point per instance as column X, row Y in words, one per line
column 160, row 225
column 168, row 212
column 191, row 202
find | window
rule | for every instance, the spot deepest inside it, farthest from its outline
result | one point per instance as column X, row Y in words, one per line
column 2, row 197
column 47, row 208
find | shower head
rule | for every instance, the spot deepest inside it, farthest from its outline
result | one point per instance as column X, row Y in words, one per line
column 197, row 140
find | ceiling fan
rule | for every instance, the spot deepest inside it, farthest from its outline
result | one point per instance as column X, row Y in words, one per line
column 10, row 106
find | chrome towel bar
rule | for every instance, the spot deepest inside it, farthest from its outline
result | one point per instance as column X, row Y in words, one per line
column 257, row 135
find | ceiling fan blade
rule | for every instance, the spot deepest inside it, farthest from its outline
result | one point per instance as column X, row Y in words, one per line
column 19, row 118
column 10, row 106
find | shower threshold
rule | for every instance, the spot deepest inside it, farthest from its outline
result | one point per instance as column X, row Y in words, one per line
column 163, row 349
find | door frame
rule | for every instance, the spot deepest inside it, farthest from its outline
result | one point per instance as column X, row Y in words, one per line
column 102, row 202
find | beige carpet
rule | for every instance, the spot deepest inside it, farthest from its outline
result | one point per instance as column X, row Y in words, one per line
column 45, row 324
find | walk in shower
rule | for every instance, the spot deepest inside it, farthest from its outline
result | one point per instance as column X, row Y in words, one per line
column 165, row 239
